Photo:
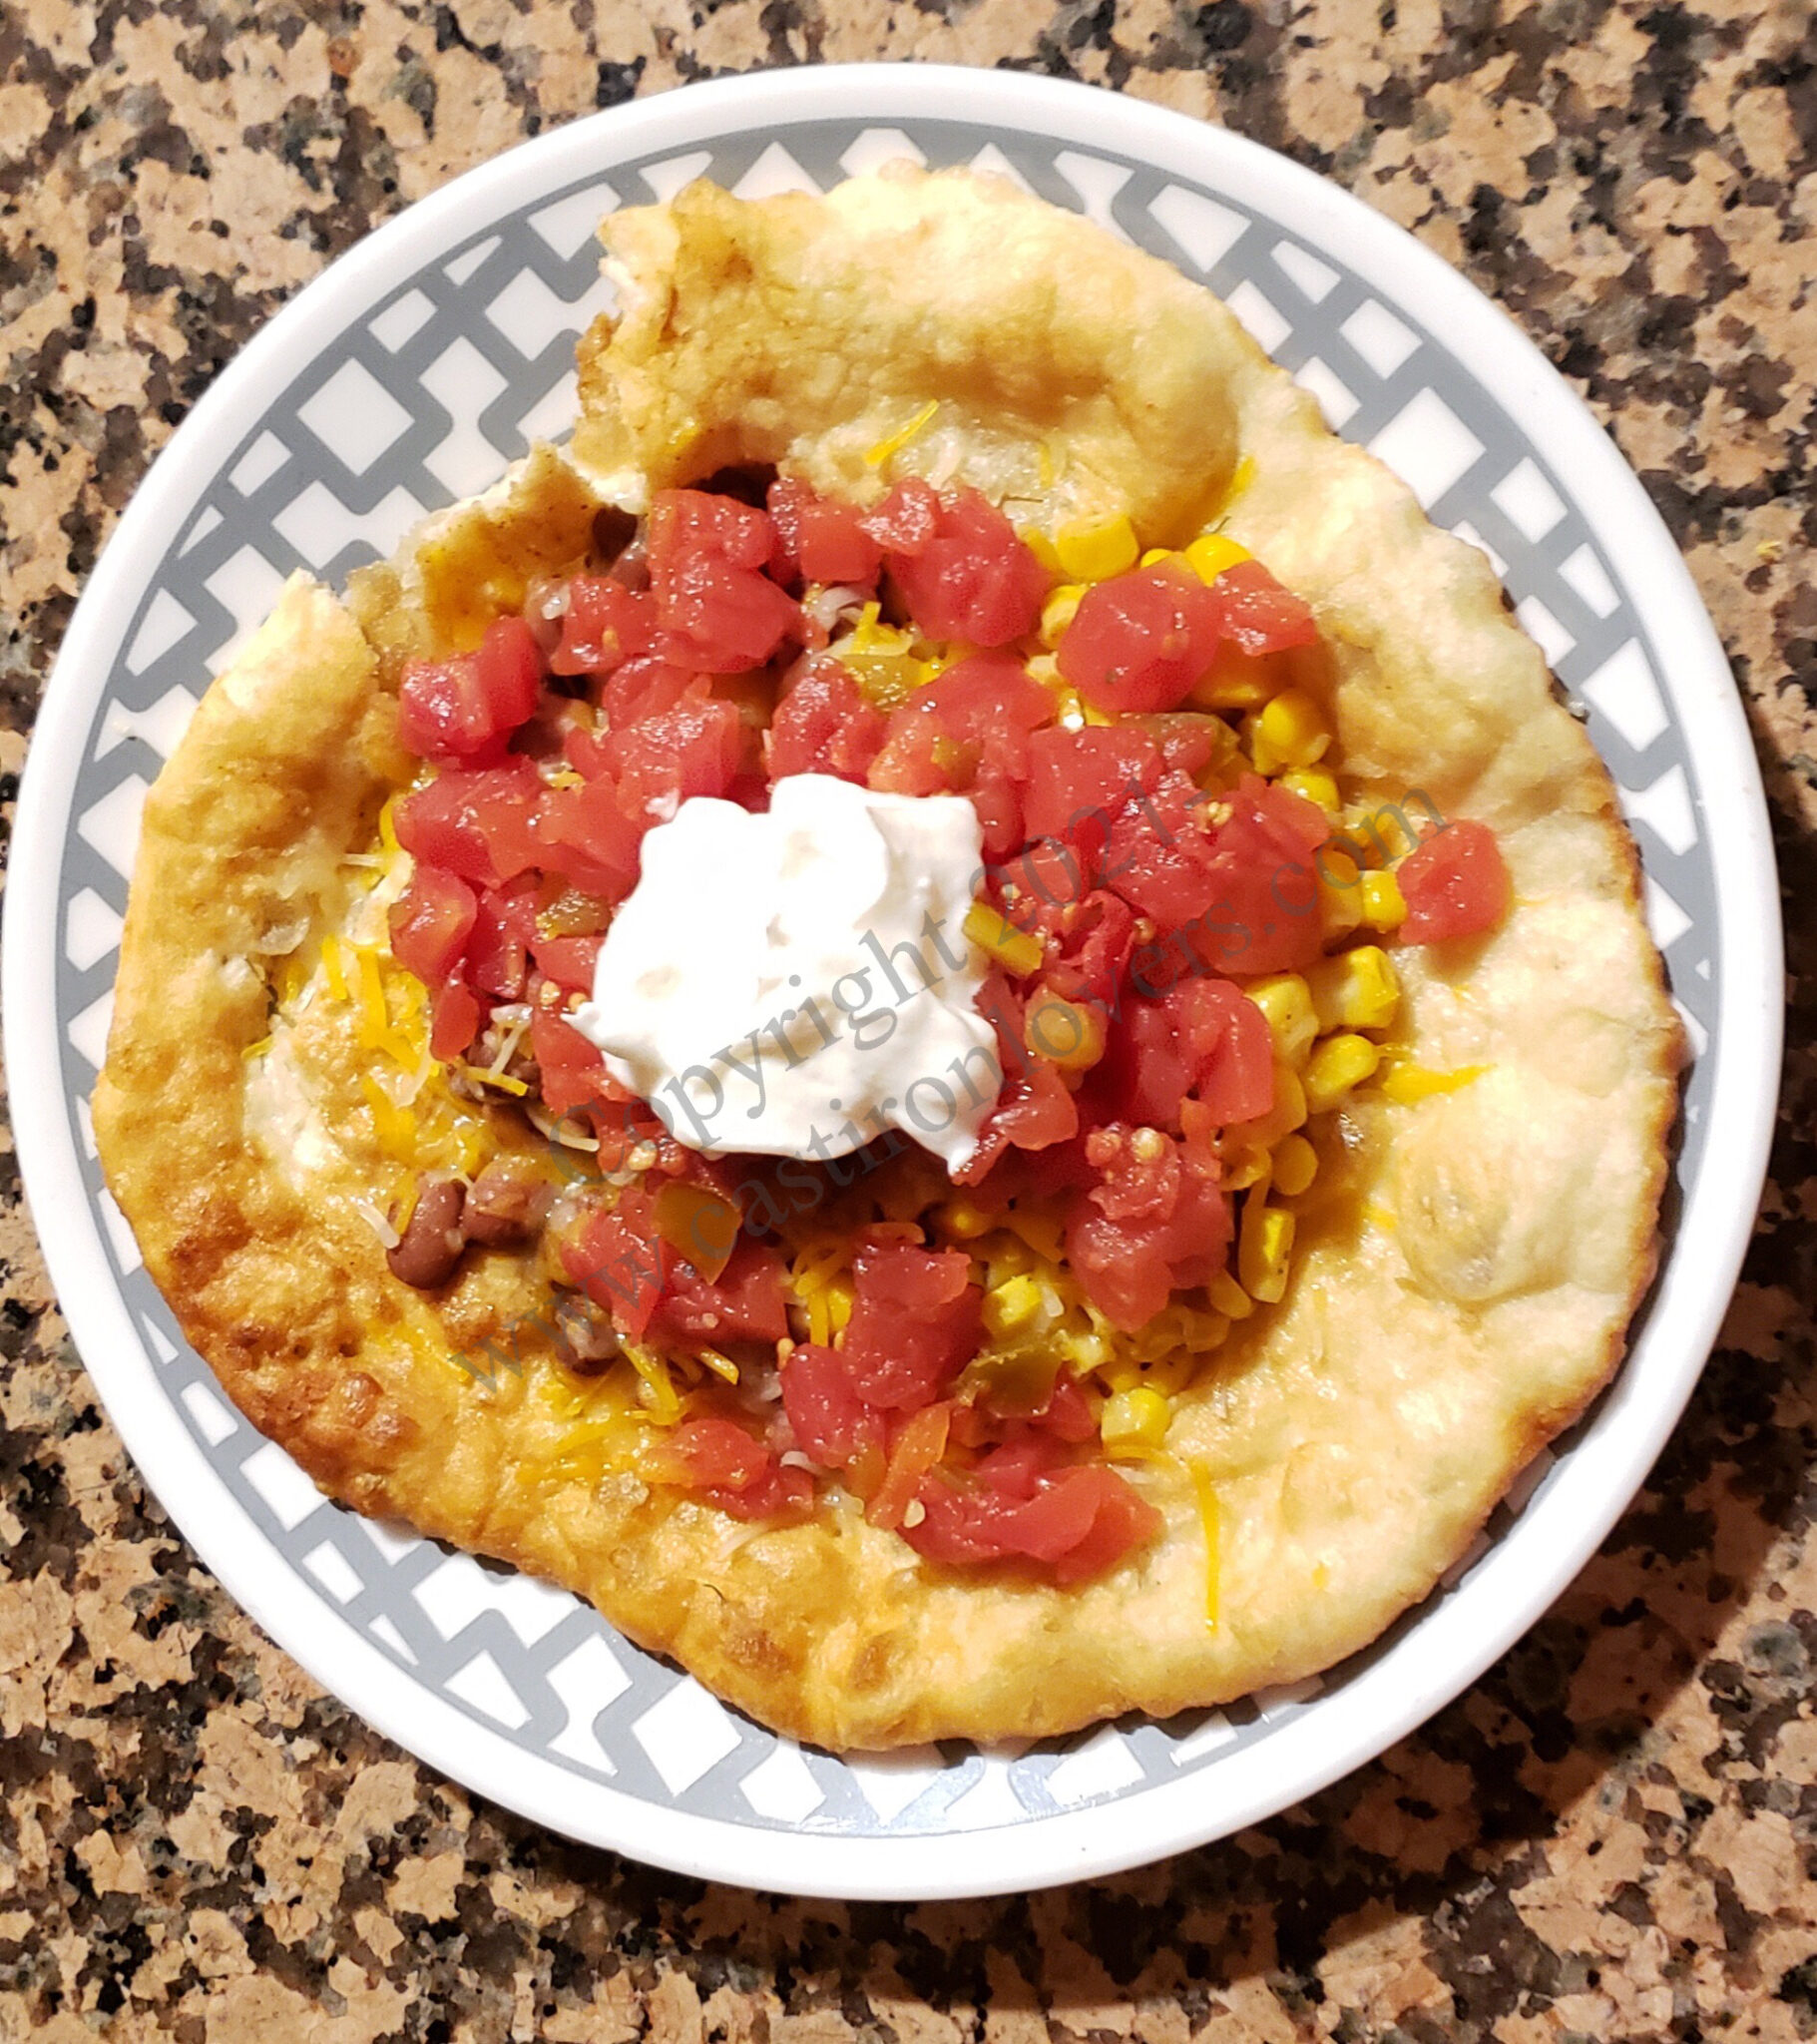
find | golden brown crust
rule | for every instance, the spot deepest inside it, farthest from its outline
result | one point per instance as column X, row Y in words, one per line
column 1466, row 1273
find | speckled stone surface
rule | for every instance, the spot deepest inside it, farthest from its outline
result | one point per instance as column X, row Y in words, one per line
column 1612, row 1835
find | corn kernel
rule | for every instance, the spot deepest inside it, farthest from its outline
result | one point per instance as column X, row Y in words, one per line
column 1357, row 989
column 1238, row 681
column 1043, row 548
column 1012, row 1305
column 1059, row 611
column 1245, row 1168
column 1315, row 785
column 962, row 1219
column 1264, row 1244
column 1340, row 892
column 1014, row 950
column 1287, row 1113
column 1138, row 1418
column 1286, row 1002
column 1405, row 1084
column 1295, row 1165
column 1040, row 1232
column 1288, row 731
column 1338, row 1063
column 1065, row 1033
column 1384, row 906
column 1230, row 1297
column 1092, row 552
column 1211, row 553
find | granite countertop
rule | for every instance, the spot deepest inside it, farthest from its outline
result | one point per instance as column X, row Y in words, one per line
column 1611, row 1835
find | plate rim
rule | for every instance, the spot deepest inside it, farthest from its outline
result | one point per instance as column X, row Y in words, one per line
column 1460, row 1636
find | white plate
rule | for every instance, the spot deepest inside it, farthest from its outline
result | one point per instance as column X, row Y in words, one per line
column 410, row 374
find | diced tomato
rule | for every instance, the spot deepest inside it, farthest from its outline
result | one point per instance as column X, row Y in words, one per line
column 1033, row 1111
column 455, row 1017
column 718, row 608
column 828, row 1419
column 1204, row 1038
column 583, row 836
column 1257, row 614
column 824, row 725
column 1080, row 780
column 730, row 1467
column 970, row 578
column 1188, row 740
column 1245, row 893
column 1122, row 1521
column 907, row 519
column 466, row 707
column 568, row 961
column 1078, row 1524
column 619, row 1261
column 1160, row 854
column 1147, row 1068
column 644, row 686
column 915, row 1321
column 430, row 923
column 498, row 953
column 710, row 1451
column 745, row 1303
column 1157, row 1222
column 570, row 1069
column 659, row 761
column 474, row 823
column 819, row 539
column 604, row 625
column 1068, row 1414
column 967, row 732
column 1139, row 640
column 1456, row 884
column 1234, row 1049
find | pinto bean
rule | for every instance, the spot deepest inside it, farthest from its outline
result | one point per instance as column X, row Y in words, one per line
column 431, row 1246
column 507, row 1203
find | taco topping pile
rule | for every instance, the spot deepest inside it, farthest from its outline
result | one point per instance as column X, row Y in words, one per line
column 1182, row 948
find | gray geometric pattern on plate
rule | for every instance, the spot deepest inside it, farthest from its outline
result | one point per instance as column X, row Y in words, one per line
column 425, row 401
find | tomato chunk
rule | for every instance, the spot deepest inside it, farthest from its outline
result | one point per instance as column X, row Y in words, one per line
column 604, row 625
column 961, row 568
column 967, row 732
column 1157, row 1222
column 732, row 1469
column 819, row 539
column 462, row 707
column 745, row 1303
column 1204, row 1038
column 719, row 609
column 1257, row 615
column 475, row 823
column 620, row 1262
column 915, row 1322
column 1079, row 1523
column 1456, row 884
column 824, row 725
column 828, row 1419
column 661, row 761
column 430, row 923
column 1139, row 640
column 1080, row 780
column 570, row 1069
column 498, row 953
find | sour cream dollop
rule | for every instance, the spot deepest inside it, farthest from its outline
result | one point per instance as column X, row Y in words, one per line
column 797, row 983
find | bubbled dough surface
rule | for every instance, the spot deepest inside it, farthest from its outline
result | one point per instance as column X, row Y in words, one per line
column 1467, row 1269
